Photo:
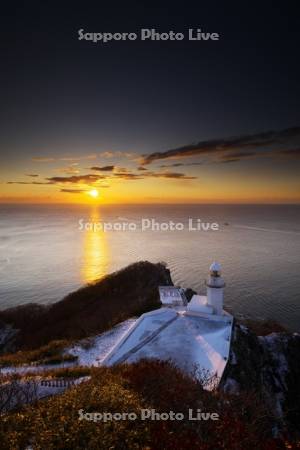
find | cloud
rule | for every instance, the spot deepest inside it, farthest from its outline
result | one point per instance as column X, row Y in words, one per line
column 233, row 157
column 118, row 154
column 128, row 176
column 169, row 175
column 89, row 178
column 238, row 155
column 121, row 169
column 172, row 165
column 28, row 182
column 173, row 175
column 292, row 152
column 73, row 191
column 142, row 168
column 70, row 170
column 103, row 168
column 221, row 146
column 194, row 164
column 32, row 175
column 64, row 158
column 78, row 158
column 42, row 159
column 225, row 161
column 78, row 191
column 107, row 154
column 181, row 164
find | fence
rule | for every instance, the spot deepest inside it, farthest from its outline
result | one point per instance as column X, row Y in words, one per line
column 61, row 382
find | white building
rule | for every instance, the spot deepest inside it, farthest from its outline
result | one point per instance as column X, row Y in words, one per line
column 196, row 334
column 172, row 296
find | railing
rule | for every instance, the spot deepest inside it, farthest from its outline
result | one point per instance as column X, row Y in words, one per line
column 63, row 382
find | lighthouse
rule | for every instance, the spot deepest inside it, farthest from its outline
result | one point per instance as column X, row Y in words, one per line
column 192, row 334
column 215, row 286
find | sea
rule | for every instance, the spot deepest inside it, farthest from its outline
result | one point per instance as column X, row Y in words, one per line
column 48, row 251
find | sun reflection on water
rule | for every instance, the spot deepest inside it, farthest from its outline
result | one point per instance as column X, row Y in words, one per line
column 95, row 252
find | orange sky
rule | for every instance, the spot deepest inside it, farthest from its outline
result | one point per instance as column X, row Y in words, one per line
column 242, row 182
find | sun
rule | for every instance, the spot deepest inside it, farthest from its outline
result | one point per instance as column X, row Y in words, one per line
column 94, row 193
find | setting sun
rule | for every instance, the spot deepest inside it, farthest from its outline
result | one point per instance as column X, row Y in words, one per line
column 93, row 193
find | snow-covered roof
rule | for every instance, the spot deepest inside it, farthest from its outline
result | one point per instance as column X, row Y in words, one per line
column 198, row 304
column 187, row 339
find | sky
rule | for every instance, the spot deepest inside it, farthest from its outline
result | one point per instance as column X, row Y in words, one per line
column 150, row 121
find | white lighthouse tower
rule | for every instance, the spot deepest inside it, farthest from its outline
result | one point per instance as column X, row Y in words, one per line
column 215, row 286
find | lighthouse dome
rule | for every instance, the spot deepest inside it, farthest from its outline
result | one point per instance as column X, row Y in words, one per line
column 215, row 267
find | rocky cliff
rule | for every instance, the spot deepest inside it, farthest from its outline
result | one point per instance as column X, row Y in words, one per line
column 268, row 366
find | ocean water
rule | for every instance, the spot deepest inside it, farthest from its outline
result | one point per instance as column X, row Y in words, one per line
column 44, row 254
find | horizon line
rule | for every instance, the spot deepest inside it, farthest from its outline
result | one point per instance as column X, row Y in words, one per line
column 155, row 204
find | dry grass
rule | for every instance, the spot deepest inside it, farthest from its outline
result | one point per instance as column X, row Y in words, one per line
column 54, row 423
column 47, row 354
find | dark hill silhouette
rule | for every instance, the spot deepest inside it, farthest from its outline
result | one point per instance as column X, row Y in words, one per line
column 91, row 309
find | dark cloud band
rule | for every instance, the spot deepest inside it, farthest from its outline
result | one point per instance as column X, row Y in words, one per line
column 231, row 144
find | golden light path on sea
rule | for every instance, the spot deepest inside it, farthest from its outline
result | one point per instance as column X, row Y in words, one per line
column 95, row 251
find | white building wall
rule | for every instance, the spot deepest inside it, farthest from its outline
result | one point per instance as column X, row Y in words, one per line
column 215, row 299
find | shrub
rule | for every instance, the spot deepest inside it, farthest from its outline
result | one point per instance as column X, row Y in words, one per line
column 54, row 423
column 263, row 327
column 47, row 354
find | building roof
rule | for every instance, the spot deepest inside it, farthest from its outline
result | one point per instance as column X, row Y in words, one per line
column 189, row 340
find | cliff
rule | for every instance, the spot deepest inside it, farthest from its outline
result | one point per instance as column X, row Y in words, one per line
column 263, row 364
column 90, row 310
column 269, row 367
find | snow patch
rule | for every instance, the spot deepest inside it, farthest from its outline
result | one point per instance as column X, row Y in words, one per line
column 92, row 352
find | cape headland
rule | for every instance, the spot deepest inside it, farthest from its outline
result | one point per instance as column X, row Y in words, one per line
column 95, row 327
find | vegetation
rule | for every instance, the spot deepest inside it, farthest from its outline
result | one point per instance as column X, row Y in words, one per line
column 54, row 423
column 245, row 422
column 51, row 353
column 263, row 327
column 92, row 309
column 60, row 372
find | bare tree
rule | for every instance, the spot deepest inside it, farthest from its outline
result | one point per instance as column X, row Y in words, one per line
column 15, row 392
